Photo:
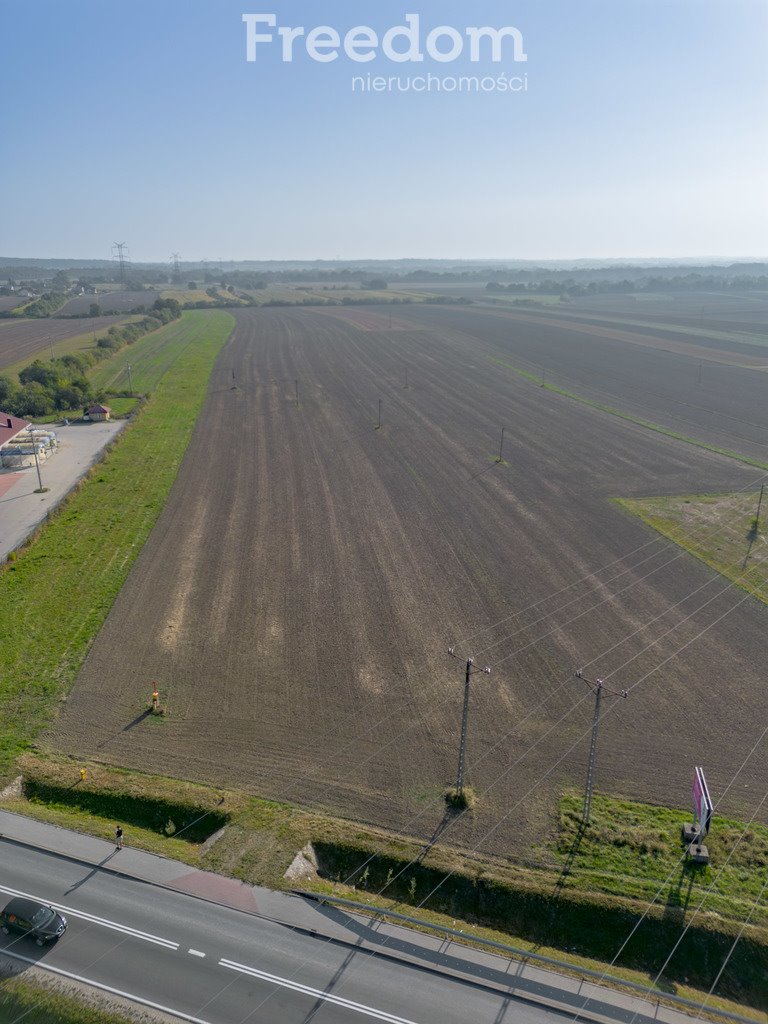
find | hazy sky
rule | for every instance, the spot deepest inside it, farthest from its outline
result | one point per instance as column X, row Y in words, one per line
column 641, row 133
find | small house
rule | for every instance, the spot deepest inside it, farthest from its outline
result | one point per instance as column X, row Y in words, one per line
column 98, row 413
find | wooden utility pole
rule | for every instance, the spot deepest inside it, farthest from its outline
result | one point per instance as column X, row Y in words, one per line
column 759, row 505
column 130, row 379
column 469, row 672
column 378, row 425
column 597, row 686
column 501, row 447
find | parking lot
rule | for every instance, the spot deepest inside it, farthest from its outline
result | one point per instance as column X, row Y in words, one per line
column 21, row 509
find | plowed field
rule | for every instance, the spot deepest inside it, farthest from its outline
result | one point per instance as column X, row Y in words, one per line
column 296, row 597
column 22, row 340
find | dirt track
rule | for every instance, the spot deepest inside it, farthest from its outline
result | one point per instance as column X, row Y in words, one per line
column 297, row 595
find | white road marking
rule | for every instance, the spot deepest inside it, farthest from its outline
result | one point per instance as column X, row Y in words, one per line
column 195, row 952
column 43, row 966
column 368, row 1011
column 92, row 919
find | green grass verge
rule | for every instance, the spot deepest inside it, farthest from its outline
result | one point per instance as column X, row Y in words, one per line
column 56, row 593
column 30, row 1001
column 729, row 544
column 633, row 849
column 612, row 411
column 152, row 356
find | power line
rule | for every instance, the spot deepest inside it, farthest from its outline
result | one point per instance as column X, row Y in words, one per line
column 490, row 831
column 731, row 951
column 590, row 576
column 702, row 901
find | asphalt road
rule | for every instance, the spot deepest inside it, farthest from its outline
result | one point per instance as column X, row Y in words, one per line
column 221, row 966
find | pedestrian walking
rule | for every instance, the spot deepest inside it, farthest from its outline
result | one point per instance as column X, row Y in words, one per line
column 118, row 838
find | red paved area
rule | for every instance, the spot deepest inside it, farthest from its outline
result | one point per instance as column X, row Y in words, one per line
column 215, row 887
column 7, row 480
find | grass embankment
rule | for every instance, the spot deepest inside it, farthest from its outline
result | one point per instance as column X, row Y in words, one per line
column 612, row 411
column 630, row 853
column 733, row 543
column 56, row 593
column 22, row 999
column 152, row 356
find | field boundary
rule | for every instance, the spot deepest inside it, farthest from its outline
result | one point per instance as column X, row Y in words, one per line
column 629, row 417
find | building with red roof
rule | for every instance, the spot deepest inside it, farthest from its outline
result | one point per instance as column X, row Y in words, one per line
column 10, row 426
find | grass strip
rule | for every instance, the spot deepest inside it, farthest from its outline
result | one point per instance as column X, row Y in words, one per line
column 736, row 548
column 151, row 356
column 55, row 595
column 34, row 1003
column 612, row 411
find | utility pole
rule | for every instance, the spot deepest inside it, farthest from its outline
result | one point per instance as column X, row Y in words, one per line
column 297, row 392
column 40, row 489
column 50, row 345
column 130, row 380
column 468, row 673
column 700, row 370
column 406, row 376
column 759, row 505
column 378, row 425
column 501, row 447
column 543, row 377
column 598, row 686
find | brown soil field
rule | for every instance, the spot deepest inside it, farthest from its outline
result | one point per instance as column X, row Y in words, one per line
column 23, row 340
column 110, row 302
column 723, row 403
column 10, row 302
column 298, row 593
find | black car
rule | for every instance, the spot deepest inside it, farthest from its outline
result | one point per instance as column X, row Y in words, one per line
column 29, row 917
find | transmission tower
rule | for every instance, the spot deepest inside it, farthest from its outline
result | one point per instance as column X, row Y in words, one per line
column 175, row 263
column 119, row 252
column 598, row 686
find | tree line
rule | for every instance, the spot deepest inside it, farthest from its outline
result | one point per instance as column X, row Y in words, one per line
column 61, row 384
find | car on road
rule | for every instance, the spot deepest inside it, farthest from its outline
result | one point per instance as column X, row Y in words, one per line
column 38, row 920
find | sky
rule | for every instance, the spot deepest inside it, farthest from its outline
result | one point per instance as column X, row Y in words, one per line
column 634, row 128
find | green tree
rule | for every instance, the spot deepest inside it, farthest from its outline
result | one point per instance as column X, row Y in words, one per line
column 43, row 373
column 33, row 400
column 8, row 391
column 95, row 309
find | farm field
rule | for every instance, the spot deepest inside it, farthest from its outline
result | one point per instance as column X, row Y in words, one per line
column 297, row 595
column 716, row 393
column 109, row 301
column 22, row 340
